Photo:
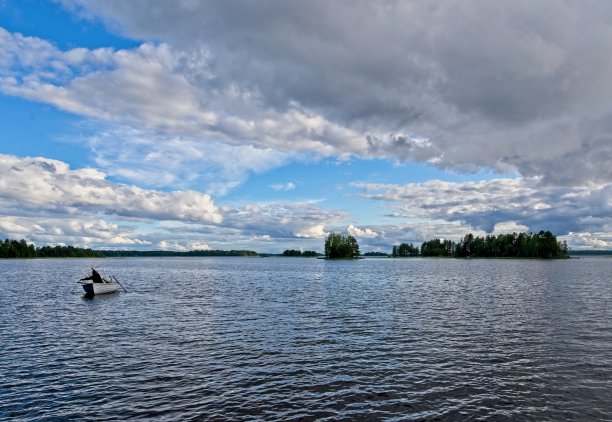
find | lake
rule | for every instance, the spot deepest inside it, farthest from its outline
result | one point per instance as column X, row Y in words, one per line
column 302, row 339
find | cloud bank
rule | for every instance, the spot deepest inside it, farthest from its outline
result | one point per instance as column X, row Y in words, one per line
column 499, row 205
column 50, row 184
column 513, row 86
column 46, row 201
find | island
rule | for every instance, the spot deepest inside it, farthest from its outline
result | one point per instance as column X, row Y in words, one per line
column 339, row 246
column 515, row 245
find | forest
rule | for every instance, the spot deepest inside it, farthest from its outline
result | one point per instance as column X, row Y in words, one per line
column 298, row 253
column 516, row 245
column 23, row 249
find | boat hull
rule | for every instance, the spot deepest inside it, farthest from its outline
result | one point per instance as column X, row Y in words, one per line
column 93, row 289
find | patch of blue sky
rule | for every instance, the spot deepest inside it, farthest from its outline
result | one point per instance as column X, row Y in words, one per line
column 46, row 20
column 40, row 130
column 330, row 177
column 328, row 182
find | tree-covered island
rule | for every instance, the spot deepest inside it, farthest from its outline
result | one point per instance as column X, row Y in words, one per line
column 516, row 245
column 338, row 246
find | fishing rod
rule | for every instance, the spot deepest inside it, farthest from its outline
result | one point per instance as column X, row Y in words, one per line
column 115, row 278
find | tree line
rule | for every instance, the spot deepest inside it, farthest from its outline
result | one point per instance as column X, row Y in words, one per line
column 516, row 245
column 22, row 249
column 297, row 253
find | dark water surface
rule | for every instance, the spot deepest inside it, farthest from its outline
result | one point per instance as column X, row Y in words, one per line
column 284, row 339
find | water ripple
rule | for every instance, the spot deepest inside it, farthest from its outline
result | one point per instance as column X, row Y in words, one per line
column 294, row 339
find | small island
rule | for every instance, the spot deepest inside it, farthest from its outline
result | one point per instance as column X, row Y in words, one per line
column 338, row 246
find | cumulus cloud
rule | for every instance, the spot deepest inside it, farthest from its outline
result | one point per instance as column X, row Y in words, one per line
column 82, row 232
column 508, row 227
column 268, row 227
column 182, row 247
column 357, row 232
column 51, row 184
column 282, row 220
column 499, row 204
column 515, row 85
column 47, row 202
column 589, row 240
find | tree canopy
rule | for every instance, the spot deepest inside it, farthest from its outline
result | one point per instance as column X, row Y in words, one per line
column 516, row 245
column 341, row 246
column 304, row 254
column 404, row 250
column 21, row 249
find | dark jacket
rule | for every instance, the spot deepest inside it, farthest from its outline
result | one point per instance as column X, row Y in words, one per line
column 95, row 277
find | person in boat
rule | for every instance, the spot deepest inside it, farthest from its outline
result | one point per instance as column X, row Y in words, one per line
column 95, row 277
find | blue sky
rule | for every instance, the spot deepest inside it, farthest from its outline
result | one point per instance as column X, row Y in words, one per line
column 196, row 124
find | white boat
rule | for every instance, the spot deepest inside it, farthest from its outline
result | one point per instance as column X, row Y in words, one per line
column 108, row 285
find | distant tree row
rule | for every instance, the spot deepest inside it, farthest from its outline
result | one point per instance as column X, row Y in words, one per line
column 21, row 249
column 516, row 245
column 116, row 253
column 341, row 246
column 296, row 253
column 591, row 252
column 405, row 250
column 375, row 254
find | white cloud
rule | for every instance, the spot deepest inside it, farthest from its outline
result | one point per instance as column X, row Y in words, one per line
column 282, row 220
column 508, row 227
column 314, row 230
column 182, row 247
column 499, row 204
column 357, row 232
column 50, row 184
column 283, row 186
column 589, row 240
column 151, row 159
column 81, row 232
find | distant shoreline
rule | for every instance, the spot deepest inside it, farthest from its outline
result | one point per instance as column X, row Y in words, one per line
column 264, row 255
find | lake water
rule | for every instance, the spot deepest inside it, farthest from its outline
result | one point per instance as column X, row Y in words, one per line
column 289, row 339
